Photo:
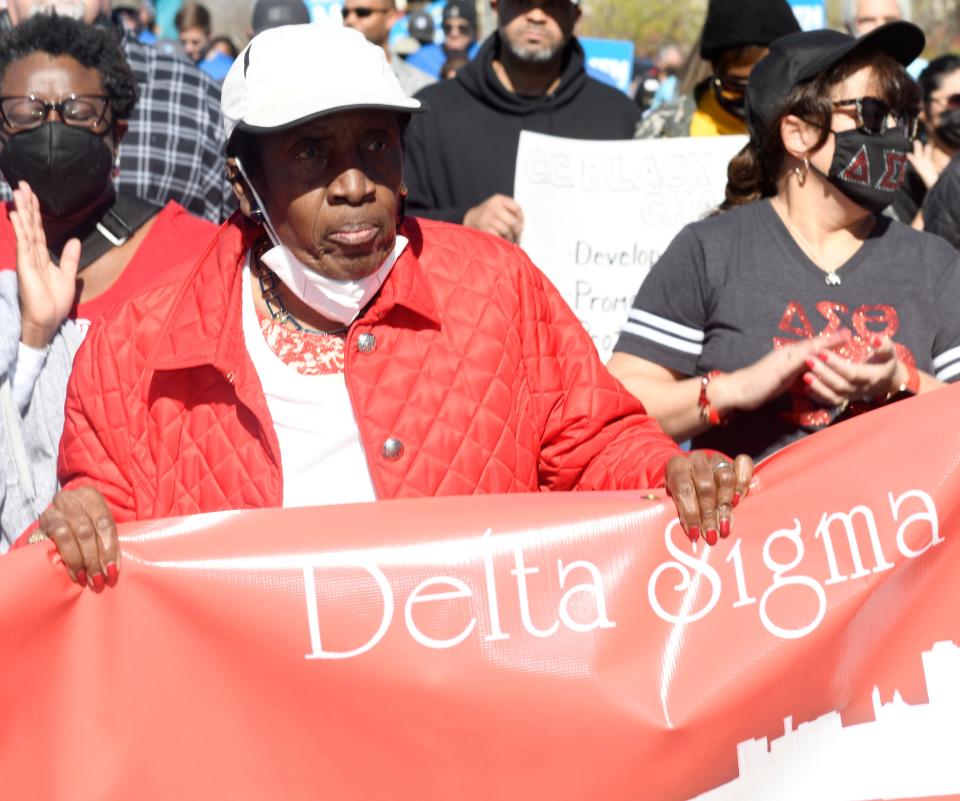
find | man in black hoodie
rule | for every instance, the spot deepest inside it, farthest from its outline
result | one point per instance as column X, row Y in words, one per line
column 528, row 76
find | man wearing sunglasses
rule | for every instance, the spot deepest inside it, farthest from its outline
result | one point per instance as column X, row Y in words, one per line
column 528, row 76
column 374, row 19
column 459, row 37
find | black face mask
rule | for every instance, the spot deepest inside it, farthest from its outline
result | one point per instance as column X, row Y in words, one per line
column 869, row 169
column 67, row 168
column 949, row 128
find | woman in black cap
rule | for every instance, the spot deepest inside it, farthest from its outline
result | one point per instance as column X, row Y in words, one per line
column 801, row 305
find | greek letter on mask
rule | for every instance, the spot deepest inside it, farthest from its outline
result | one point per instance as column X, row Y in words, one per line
column 869, row 169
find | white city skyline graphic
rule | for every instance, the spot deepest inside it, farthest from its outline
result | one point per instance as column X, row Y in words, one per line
column 907, row 751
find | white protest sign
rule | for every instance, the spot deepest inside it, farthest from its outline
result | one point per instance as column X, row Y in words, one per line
column 598, row 215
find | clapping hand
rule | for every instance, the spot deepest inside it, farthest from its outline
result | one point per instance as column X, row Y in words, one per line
column 46, row 290
column 833, row 381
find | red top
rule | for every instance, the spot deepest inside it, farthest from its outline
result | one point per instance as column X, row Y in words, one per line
column 307, row 352
column 175, row 240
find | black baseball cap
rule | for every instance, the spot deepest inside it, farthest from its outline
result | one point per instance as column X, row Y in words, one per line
column 798, row 57
column 460, row 9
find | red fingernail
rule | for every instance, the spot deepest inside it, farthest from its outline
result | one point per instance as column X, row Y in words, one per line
column 82, row 578
column 807, row 379
column 98, row 582
column 112, row 574
column 810, row 363
column 694, row 533
column 724, row 528
column 736, row 499
column 823, row 356
column 711, row 536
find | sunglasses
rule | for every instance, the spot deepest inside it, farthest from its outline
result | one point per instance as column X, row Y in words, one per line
column 731, row 88
column 874, row 116
column 459, row 27
column 361, row 11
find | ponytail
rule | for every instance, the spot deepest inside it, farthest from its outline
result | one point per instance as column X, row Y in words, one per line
column 747, row 180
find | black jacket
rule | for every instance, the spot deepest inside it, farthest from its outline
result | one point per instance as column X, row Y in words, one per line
column 464, row 149
column 941, row 207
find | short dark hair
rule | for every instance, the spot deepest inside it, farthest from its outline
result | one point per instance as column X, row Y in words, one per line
column 91, row 45
column 225, row 40
column 932, row 77
column 193, row 15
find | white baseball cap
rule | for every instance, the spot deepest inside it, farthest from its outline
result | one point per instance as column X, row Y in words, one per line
column 291, row 74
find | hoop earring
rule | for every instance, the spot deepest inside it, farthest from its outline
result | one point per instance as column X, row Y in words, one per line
column 802, row 171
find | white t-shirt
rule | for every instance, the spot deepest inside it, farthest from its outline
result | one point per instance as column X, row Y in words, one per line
column 321, row 453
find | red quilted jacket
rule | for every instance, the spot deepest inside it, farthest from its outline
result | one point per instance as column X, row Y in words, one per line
column 478, row 368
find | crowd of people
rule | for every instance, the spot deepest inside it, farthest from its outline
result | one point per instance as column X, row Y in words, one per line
column 290, row 276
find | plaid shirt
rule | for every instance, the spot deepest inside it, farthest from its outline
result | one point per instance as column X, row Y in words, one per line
column 174, row 149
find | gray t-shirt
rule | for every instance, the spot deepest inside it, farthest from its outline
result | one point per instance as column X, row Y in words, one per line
column 730, row 288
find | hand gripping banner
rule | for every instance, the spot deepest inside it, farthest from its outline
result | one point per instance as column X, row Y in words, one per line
column 562, row 647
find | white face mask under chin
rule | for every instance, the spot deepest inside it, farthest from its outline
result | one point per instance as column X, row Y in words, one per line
column 341, row 301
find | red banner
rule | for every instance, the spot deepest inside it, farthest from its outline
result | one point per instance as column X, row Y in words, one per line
column 524, row 647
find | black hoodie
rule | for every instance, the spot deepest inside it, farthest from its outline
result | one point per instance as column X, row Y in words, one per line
column 464, row 149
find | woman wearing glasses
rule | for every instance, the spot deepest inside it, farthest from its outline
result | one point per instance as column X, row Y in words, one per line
column 801, row 304
column 79, row 247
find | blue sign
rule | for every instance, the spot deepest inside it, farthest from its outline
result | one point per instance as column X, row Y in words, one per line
column 610, row 61
column 325, row 10
column 811, row 14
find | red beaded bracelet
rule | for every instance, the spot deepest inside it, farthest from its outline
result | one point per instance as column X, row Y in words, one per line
column 707, row 413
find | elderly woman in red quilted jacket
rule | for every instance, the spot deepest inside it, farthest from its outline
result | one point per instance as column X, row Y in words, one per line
column 327, row 350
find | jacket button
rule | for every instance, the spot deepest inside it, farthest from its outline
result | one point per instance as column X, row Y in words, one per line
column 392, row 449
column 366, row 343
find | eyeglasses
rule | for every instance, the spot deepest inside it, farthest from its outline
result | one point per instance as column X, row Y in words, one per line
column 874, row 116
column 459, row 27
column 78, row 111
column 361, row 11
